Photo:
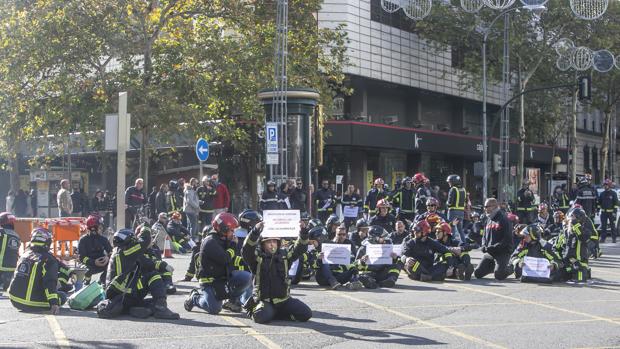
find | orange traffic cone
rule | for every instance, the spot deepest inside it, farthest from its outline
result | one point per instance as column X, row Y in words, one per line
column 167, row 248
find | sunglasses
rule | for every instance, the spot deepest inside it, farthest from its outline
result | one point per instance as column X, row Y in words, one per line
column 431, row 205
column 343, row 234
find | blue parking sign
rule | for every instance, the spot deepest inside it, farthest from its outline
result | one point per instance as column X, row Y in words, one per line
column 271, row 132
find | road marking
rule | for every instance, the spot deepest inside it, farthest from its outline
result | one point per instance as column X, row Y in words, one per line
column 61, row 339
column 418, row 320
column 600, row 318
column 251, row 332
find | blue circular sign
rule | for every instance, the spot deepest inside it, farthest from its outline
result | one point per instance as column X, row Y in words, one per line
column 202, row 149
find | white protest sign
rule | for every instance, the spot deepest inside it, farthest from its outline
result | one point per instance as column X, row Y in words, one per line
column 379, row 254
column 336, row 254
column 281, row 223
column 398, row 249
column 351, row 211
column 536, row 267
column 293, row 269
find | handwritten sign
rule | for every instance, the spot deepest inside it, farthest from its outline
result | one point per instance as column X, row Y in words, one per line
column 281, row 223
column 351, row 211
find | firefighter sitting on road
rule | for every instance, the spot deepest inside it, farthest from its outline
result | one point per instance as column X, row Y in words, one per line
column 34, row 284
column 131, row 276
column 334, row 275
column 269, row 262
column 459, row 264
column 361, row 232
column 575, row 247
column 532, row 245
column 163, row 268
column 373, row 276
column 9, row 249
column 179, row 235
column 419, row 255
column 94, row 250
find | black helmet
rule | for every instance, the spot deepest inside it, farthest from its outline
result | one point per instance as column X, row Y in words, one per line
column 454, row 179
column 332, row 220
column 375, row 232
column 533, row 230
column 249, row 218
column 172, row 185
column 41, row 237
column 361, row 223
column 122, row 237
column 407, row 180
column 315, row 223
column 305, row 216
column 318, row 234
column 206, row 230
column 578, row 215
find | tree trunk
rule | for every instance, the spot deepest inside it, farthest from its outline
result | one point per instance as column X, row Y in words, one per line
column 605, row 150
column 521, row 160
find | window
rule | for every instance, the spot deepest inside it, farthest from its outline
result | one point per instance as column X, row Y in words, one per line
column 595, row 170
column 586, row 158
column 585, row 122
column 397, row 19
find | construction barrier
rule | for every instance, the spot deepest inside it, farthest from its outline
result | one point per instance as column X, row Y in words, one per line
column 65, row 232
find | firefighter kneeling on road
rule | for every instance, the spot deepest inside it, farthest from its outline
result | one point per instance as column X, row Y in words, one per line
column 459, row 265
column 33, row 288
column 269, row 263
column 533, row 246
column 575, row 247
column 419, row 255
column 9, row 249
column 218, row 278
column 131, row 276
column 94, row 250
column 373, row 276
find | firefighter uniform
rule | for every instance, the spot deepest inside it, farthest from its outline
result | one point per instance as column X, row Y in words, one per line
column 373, row 276
column 372, row 197
column 9, row 254
column 457, row 197
column 404, row 201
column 387, row 222
column 205, row 201
column 325, row 201
column 561, row 200
column 270, row 200
column 351, row 200
column 422, row 194
column 91, row 247
column 608, row 204
column 525, row 205
column 575, row 253
column 536, row 248
column 430, row 259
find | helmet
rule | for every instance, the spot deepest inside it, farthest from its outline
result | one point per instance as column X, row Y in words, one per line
column 543, row 206
column 432, row 202
column 176, row 215
column 332, row 220
column 474, row 215
column 513, row 218
column 578, row 214
column 445, row 228
column 173, row 185
column 418, row 178
column 423, row 227
column 7, row 219
column 433, row 219
column 361, row 223
column 407, row 180
column 122, row 237
column 93, row 222
column 379, row 181
column 271, row 183
column 314, row 222
column 162, row 215
column 249, row 218
column 305, row 216
column 41, row 237
column 375, row 232
column 533, row 230
column 143, row 228
column 558, row 215
column 383, row 203
column 608, row 182
column 224, row 222
column 205, row 179
column 454, row 179
column 206, row 230
column 318, row 234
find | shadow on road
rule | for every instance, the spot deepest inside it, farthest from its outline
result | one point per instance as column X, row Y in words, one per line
column 330, row 316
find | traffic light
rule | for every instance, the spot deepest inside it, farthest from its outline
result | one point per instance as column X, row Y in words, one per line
column 585, row 88
column 497, row 162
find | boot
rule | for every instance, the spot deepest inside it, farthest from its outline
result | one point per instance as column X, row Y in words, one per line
column 249, row 306
column 189, row 302
column 334, row 285
column 426, row 278
column 170, row 289
column 354, row 285
column 389, row 282
column 232, row 306
column 368, row 281
column 468, row 272
column 460, row 271
column 140, row 312
column 161, row 311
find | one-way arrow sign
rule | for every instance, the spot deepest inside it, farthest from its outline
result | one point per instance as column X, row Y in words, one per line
column 202, row 149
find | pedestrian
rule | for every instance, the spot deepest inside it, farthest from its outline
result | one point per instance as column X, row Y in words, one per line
column 325, row 201
column 134, row 201
column 497, row 243
column 300, row 198
column 152, row 203
column 206, row 194
column 221, row 202
column 10, row 202
column 21, row 204
column 63, row 199
column 76, row 199
column 99, row 204
column 160, row 199
column 33, row 202
column 191, row 206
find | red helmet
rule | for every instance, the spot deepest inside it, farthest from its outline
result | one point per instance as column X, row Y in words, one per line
column 423, row 227
column 383, row 203
column 7, row 218
column 445, row 227
column 433, row 219
column 224, row 222
column 176, row 215
column 379, row 181
column 418, row 178
column 513, row 218
column 93, row 221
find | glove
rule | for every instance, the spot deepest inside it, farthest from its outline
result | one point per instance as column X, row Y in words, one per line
column 169, row 268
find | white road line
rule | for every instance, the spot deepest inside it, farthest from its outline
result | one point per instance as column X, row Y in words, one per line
column 61, row 339
column 250, row 331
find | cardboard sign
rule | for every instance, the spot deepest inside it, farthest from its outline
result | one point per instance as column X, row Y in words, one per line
column 398, row 249
column 536, row 267
column 351, row 212
column 379, row 254
column 281, row 223
column 339, row 254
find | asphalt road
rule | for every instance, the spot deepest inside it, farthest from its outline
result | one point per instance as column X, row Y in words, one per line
column 452, row 314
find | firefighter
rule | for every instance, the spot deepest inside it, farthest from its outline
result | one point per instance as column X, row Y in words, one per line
column 371, row 275
column 496, row 243
column 247, row 220
column 373, row 196
column 383, row 218
column 544, row 218
column 419, row 255
column 608, row 206
column 360, row 233
column 575, row 247
column 459, row 264
column 585, row 196
column 154, row 254
column 194, row 261
column 34, row 283
column 206, row 194
column 352, row 200
column 270, row 199
column 561, row 200
column 219, row 278
column 555, row 229
column 131, row 276
column 525, row 203
column 532, row 245
column 269, row 262
column 404, row 201
column 325, row 201
column 422, row 193
column 9, row 248
column 331, row 224
column 398, row 236
column 174, row 199
column 94, row 250
column 457, row 198
column 179, row 235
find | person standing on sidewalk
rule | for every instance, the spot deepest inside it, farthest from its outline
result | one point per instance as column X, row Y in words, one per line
column 63, row 199
column 221, row 202
column 191, row 206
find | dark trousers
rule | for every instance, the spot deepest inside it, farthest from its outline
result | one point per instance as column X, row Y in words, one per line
column 291, row 309
column 325, row 276
column 437, row 271
column 192, row 270
column 5, row 279
column 389, row 272
column 62, row 298
column 608, row 217
column 497, row 264
column 95, row 270
column 204, row 219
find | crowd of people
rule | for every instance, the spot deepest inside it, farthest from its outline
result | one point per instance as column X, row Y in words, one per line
column 239, row 269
